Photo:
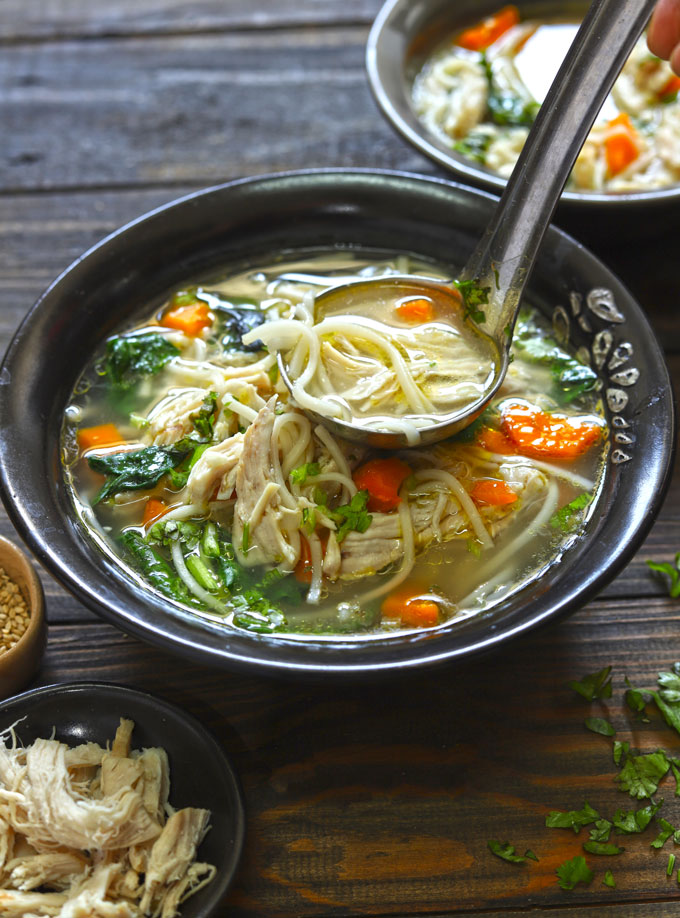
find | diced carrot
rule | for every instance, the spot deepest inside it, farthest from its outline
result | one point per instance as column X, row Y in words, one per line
column 485, row 33
column 415, row 309
column 621, row 144
column 493, row 491
column 408, row 604
column 495, row 441
column 303, row 569
column 153, row 510
column 539, row 434
column 190, row 319
column 672, row 87
column 382, row 478
column 99, row 437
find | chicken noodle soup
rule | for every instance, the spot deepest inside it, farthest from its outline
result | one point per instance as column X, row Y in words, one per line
column 480, row 92
column 190, row 463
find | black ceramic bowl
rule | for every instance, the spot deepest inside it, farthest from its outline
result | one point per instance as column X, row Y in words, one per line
column 200, row 773
column 202, row 234
column 404, row 34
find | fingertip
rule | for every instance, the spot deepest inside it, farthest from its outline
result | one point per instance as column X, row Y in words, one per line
column 663, row 35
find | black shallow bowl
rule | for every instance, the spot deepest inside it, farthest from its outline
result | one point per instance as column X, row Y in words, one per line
column 204, row 233
column 405, row 32
column 200, row 773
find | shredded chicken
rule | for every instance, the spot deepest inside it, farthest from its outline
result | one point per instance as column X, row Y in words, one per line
column 85, row 833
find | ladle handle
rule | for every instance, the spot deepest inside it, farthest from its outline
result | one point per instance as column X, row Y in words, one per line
column 506, row 253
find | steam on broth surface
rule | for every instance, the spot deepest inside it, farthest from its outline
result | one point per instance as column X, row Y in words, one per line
column 480, row 91
column 189, row 462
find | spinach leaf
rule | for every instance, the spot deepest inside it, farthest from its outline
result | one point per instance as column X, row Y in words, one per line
column 131, row 357
column 135, row 469
column 505, row 106
column 235, row 317
column 159, row 574
column 571, row 378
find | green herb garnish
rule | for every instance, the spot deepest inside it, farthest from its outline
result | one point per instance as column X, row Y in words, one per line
column 574, row 871
column 131, row 357
column 568, row 517
column 303, row 472
column 594, row 685
column 673, row 572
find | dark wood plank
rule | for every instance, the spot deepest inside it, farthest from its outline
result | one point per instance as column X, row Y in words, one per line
column 376, row 798
column 193, row 110
column 36, row 20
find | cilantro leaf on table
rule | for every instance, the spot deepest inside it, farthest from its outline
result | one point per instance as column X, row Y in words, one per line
column 601, row 831
column 574, row 871
column 131, row 357
column 666, row 830
column 599, row 725
column 641, row 774
column 636, row 701
column 594, row 685
column 673, row 572
column 666, row 698
column 632, row 822
column 676, row 775
column 609, row 880
column 604, row 848
column 507, row 852
column 574, row 819
column 620, row 751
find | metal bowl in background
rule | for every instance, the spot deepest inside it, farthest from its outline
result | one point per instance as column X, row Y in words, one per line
column 406, row 32
column 201, row 235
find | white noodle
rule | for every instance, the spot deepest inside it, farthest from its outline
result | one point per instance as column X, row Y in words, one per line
column 408, row 560
column 190, row 582
column 314, row 593
column 464, row 499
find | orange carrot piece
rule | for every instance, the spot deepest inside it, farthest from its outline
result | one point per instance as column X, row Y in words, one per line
column 190, row 319
column 408, row 604
column 671, row 87
column 621, row 144
column 303, row 569
column 415, row 309
column 382, row 478
column 485, row 33
column 99, row 437
column 154, row 508
column 493, row 491
column 495, row 441
column 539, row 434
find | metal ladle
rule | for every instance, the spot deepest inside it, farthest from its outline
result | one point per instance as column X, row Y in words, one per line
column 504, row 257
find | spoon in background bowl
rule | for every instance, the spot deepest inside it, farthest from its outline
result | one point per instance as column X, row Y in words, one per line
column 500, row 265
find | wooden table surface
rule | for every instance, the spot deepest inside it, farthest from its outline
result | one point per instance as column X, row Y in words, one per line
column 365, row 799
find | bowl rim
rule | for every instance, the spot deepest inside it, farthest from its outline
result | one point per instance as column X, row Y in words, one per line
column 217, row 889
column 377, row 60
column 277, row 655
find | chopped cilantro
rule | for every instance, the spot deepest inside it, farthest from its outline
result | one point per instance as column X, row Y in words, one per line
column 308, row 523
column 609, row 880
column 245, row 541
column 665, row 832
column 599, row 725
column 641, row 774
column 594, row 685
column 636, row 701
column 474, row 145
column 676, row 775
column 506, row 851
column 474, row 296
column 530, row 855
column 351, row 517
column 568, row 517
column 670, row 684
column 303, row 472
column 594, row 847
column 204, row 420
column 601, row 831
column 574, row 871
column 632, row 822
column 505, row 106
column 671, row 864
column 620, row 751
column 673, row 572
column 574, row 819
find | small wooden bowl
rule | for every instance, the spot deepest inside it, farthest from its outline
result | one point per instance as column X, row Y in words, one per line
column 19, row 664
